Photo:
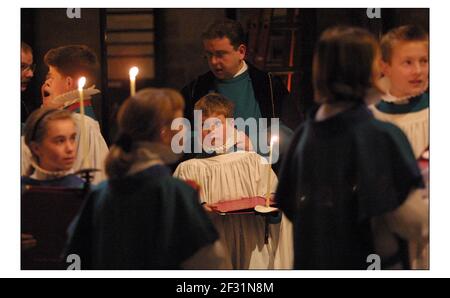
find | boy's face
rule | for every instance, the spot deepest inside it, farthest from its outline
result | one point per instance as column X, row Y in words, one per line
column 214, row 127
column 56, row 84
column 408, row 68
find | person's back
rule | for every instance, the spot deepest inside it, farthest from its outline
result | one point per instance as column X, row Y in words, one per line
column 349, row 178
column 141, row 217
column 348, row 157
column 148, row 220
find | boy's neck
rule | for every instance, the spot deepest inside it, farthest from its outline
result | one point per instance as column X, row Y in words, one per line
column 398, row 94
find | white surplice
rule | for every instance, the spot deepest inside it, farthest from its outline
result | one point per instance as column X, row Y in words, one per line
column 233, row 176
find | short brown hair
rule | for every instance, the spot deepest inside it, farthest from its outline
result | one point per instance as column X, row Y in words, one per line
column 74, row 61
column 215, row 103
column 343, row 63
column 403, row 33
column 225, row 28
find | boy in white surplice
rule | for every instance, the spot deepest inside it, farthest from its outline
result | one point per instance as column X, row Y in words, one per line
column 232, row 171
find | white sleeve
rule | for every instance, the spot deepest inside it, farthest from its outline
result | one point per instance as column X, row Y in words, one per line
column 410, row 220
column 97, row 148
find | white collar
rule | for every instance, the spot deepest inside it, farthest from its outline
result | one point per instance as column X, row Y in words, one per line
column 242, row 70
column 237, row 138
column 66, row 99
column 42, row 174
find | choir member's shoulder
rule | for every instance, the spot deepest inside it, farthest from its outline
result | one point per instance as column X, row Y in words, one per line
column 90, row 122
column 179, row 189
column 384, row 127
column 379, row 129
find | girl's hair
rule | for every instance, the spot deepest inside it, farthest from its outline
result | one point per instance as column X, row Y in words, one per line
column 141, row 118
column 36, row 126
column 343, row 63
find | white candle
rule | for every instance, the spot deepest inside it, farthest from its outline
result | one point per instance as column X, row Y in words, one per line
column 83, row 144
column 133, row 73
column 269, row 172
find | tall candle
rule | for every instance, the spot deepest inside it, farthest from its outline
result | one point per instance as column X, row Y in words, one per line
column 83, row 146
column 269, row 172
column 133, row 73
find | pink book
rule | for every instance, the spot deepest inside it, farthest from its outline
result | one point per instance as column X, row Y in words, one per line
column 240, row 206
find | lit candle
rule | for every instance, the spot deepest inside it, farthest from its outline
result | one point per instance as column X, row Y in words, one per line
column 133, row 73
column 81, row 83
column 269, row 172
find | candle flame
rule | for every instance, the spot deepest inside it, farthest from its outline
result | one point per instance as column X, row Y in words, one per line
column 273, row 140
column 133, row 72
column 81, row 83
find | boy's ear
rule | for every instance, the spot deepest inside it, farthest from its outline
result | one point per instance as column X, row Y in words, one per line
column 70, row 83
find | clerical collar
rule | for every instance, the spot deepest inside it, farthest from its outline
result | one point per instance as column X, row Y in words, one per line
column 66, row 99
column 242, row 70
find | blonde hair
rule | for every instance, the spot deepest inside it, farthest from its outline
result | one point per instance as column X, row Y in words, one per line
column 36, row 126
column 141, row 118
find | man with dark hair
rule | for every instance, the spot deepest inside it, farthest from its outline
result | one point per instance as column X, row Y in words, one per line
column 66, row 65
column 26, row 65
column 26, row 74
column 255, row 93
